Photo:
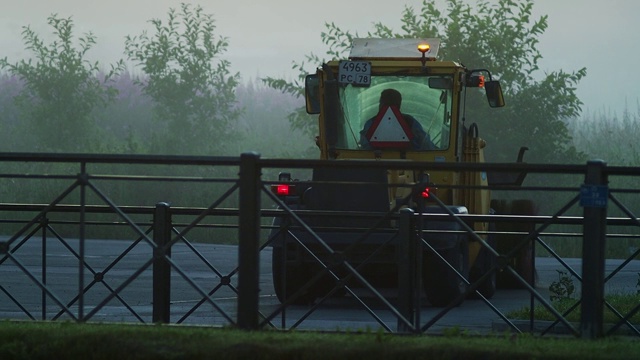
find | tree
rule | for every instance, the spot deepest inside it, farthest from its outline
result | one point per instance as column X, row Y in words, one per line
column 60, row 90
column 193, row 90
column 264, row 122
column 9, row 88
column 499, row 37
column 605, row 135
column 299, row 119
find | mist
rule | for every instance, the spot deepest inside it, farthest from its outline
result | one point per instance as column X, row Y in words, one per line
column 266, row 37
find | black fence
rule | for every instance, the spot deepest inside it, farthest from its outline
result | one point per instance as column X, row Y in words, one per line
column 194, row 240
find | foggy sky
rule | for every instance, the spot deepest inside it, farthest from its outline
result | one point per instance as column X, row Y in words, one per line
column 266, row 37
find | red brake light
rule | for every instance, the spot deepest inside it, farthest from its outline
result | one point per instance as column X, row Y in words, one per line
column 283, row 189
column 427, row 193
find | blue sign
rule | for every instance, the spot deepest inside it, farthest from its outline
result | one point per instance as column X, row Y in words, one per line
column 594, row 195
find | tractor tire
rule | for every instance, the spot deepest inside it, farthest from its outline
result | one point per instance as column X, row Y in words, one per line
column 524, row 265
column 487, row 288
column 485, row 261
column 289, row 279
column 296, row 275
column 522, row 262
column 441, row 284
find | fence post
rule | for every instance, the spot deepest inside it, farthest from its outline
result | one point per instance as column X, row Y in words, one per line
column 249, row 241
column 161, row 267
column 408, row 273
column 593, row 198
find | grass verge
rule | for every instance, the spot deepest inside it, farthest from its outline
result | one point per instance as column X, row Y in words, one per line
column 62, row 340
column 622, row 303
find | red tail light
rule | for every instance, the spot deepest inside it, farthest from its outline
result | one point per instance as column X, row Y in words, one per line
column 426, row 194
column 283, row 189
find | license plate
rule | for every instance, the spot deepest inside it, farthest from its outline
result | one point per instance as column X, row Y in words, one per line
column 355, row 72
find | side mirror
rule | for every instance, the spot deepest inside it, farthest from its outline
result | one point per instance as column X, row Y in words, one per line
column 312, row 93
column 494, row 93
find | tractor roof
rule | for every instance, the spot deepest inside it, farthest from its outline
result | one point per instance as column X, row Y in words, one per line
column 393, row 48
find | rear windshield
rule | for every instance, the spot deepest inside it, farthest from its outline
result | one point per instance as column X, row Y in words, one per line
column 431, row 108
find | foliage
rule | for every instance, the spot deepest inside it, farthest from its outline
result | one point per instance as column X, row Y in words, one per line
column 125, row 123
column 265, row 126
column 563, row 288
column 10, row 87
column 609, row 136
column 298, row 118
column 193, row 90
column 60, row 89
column 624, row 304
column 128, row 118
column 502, row 38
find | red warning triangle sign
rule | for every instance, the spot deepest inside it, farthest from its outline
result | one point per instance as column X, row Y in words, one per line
column 389, row 129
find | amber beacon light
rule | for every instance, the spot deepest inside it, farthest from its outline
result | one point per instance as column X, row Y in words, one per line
column 423, row 48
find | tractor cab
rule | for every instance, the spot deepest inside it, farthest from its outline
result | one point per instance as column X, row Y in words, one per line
column 356, row 124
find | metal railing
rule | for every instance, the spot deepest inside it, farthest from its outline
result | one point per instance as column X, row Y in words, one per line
column 157, row 230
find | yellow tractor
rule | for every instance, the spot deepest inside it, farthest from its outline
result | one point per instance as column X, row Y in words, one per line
column 391, row 99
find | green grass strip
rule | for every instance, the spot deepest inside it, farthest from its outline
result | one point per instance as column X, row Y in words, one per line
column 65, row 340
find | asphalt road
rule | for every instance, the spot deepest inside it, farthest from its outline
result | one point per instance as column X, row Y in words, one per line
column 199, row 269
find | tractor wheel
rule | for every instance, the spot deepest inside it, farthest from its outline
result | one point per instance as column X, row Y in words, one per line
column 441, row 284
column 289, row 279
column 485, row 261
column 488, row 287
column 522, row 262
